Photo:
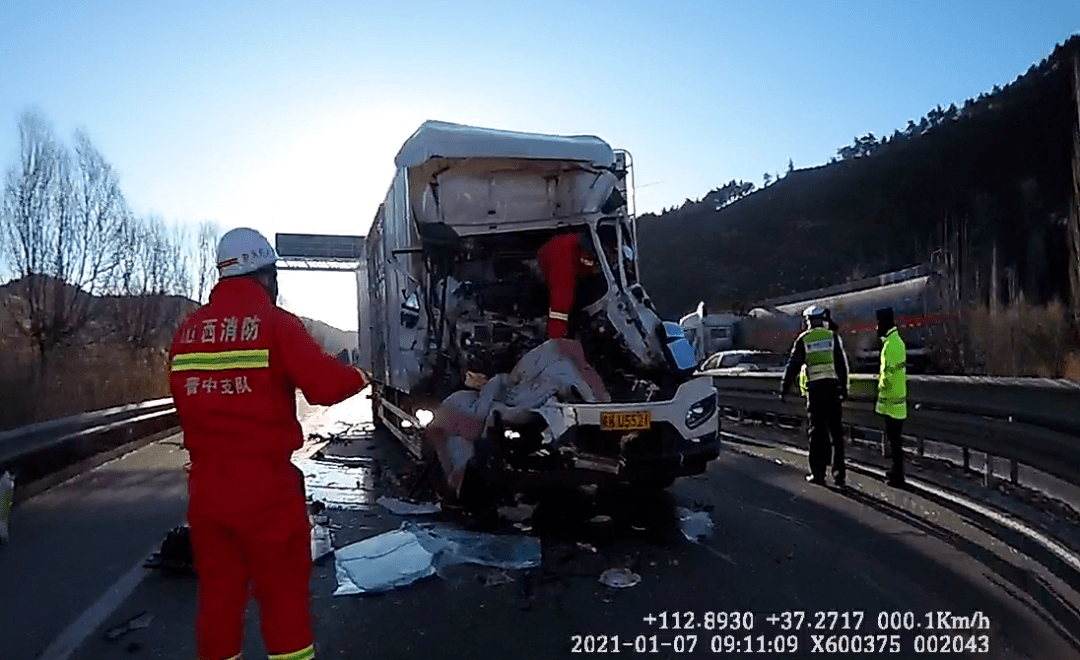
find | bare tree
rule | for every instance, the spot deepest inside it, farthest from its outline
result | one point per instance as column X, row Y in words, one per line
column 206, row 259
column 154, row 270
column 62, row 219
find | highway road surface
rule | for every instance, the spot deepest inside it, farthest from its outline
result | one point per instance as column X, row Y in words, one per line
column 789, row 570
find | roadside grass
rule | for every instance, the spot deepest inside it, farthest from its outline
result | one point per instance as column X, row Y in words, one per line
column 1019, row 339
column 75, row 380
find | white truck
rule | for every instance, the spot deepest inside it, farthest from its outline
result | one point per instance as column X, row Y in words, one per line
column 450, row 290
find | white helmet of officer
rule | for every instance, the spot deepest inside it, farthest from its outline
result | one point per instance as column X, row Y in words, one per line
column 815, row 315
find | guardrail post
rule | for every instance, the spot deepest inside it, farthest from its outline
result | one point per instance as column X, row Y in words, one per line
column 988, row 471
column 920, row 446
column 1014, row 471
column 967, row 458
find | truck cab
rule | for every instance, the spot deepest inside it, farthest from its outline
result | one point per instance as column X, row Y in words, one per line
column 452, row 295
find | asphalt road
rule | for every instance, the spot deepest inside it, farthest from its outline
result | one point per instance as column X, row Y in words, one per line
column 780, row 545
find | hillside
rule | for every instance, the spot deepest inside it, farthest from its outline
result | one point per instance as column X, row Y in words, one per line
column 989, row 184
column 120, row 355
column 330, row 338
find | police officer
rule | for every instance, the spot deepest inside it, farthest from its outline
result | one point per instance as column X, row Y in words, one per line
column 821, row 351
column 892, row 390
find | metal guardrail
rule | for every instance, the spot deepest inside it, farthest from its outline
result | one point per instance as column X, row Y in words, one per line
column 1030, row 421
column 32, row 451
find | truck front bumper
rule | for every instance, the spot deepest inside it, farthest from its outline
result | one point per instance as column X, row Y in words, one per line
column 682, row 438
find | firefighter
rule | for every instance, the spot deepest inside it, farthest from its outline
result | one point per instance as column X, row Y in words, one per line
column 569, row 264
column 236, row 364
column 892, row 391
column 821, row 351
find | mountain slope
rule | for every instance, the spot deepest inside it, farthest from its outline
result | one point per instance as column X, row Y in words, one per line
column 993, row 177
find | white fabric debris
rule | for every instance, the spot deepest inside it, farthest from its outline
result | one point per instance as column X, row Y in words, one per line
column 555, row 371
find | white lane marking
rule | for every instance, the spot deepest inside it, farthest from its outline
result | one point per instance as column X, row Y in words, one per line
column 72, row 637
column 1055, row 548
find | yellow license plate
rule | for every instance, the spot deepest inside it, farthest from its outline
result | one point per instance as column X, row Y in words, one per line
column 625, row 421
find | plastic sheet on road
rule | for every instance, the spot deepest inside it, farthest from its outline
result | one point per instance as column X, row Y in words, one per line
column 382, row 563
column 413, row 552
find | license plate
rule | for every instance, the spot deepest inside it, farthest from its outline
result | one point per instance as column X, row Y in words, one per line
column 625, row 421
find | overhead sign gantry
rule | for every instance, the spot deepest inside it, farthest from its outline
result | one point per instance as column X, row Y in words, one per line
column 319, row 252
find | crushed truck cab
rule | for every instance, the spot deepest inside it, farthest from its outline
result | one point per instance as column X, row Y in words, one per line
column 452, row 295
column 656, row 441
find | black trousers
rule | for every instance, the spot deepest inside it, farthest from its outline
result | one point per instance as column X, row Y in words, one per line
column 826, row 429
column 893, row 429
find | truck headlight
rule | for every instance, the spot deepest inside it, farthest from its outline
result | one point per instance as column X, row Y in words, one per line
column 701, row 411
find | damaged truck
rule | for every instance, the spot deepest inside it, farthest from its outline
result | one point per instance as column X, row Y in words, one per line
column 453, row 309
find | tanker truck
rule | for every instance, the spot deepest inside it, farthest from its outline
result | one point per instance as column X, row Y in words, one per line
column 451, row 297
column 918, row 296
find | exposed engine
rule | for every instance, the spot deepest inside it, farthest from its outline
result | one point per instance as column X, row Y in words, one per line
column 496, row 308
column 495, row 314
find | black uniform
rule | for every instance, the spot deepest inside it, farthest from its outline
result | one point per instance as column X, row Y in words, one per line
column 823, row 409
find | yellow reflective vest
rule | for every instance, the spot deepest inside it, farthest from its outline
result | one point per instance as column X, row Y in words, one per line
column 892, row 377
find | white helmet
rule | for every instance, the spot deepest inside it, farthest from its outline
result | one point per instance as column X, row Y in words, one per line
column 815, row 312
column 242, row 251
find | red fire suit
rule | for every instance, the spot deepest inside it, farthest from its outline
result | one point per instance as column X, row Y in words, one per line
column 236, row 364
column 563, row 261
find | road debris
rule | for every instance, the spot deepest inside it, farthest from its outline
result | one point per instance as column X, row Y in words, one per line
column 381, row 563
column 405, row 508
column 519, row 513
column 695, row 525
column 175, row 553
column 7, row 497
column 137, row 622
column 322, row 543
column 588, row 547
column 412, row 552
column 497, row 578
column 619, row 578
column 600, row 520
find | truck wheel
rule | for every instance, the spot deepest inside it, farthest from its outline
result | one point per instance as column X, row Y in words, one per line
column 436, row 477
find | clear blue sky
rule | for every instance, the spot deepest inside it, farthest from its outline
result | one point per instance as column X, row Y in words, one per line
column 286, row 116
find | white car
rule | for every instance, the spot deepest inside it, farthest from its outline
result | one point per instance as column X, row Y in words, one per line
column 740, row 361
